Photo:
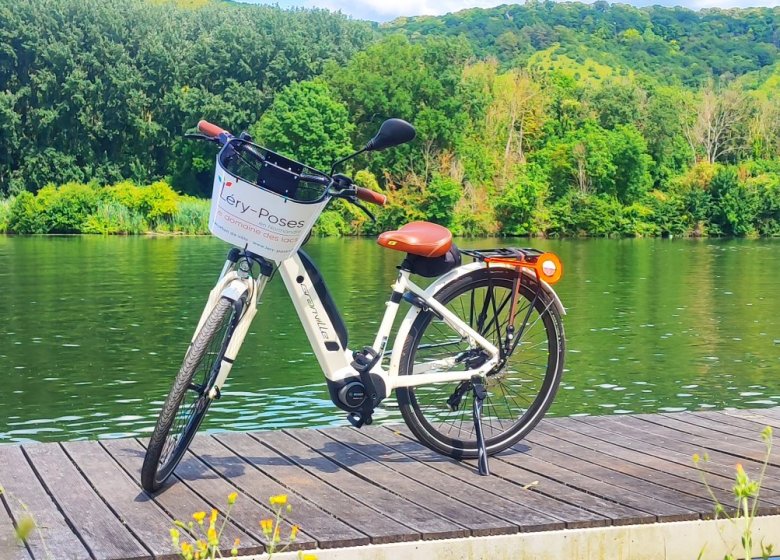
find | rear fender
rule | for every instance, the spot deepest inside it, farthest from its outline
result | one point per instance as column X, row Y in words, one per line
column 406, row 325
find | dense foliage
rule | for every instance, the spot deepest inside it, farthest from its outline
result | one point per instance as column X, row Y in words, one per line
column 103, row 90
column 675, row 45
column 546, row 118
column 123, row 208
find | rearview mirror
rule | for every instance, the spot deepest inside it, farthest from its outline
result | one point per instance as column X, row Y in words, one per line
column 393, row 132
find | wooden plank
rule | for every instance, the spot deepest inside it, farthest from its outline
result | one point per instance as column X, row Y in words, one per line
column 327, row 530
column 429, row 485
column 764, row 417
column 26, row 496
column 507, row 495
column 716, row 427
column 132, row 506
column 383, row 477
column 391, row 463
column 427, row 524
column 666, row 504
column 377, row 526
column 743, row 448
column 629, row 450
column 10, row 547
column 105, row 536
column 650, row 469
column 628, row 427
column 178, row 500
column 561, row 491
column 745, row 419
column 514, row 514
column 640, row 509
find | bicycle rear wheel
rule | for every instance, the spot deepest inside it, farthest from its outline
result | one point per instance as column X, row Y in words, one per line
column 519, row 392
column 188, row 400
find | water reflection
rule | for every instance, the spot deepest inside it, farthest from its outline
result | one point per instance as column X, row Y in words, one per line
column 94, row 329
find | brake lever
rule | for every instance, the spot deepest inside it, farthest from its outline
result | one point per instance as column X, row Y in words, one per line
column 198, row 136
column 353, row 200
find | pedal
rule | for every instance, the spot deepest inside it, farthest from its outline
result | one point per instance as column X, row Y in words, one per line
column 364, row 360
column 358, row 421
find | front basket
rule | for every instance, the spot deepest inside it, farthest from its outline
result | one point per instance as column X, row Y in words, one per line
column 259, row 202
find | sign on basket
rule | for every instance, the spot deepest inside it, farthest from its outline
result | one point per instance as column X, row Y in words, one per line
column 268, row 224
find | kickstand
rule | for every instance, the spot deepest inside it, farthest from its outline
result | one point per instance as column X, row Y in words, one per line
column 479, row 395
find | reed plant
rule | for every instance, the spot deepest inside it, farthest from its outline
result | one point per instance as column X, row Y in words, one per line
column 5, row 213
column 746, row 492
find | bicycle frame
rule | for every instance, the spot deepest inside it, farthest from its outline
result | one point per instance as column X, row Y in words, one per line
column 333, row 356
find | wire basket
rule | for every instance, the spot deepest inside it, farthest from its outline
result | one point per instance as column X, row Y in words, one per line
column 260, row 203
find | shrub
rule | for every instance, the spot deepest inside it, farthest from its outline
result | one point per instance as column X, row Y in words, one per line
column 66, row 208
column 331, row 224
column 439, row 199
column 26, row 214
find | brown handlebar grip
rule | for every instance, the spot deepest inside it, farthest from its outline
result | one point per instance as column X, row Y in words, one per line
column 211, row 129
column 367, row 195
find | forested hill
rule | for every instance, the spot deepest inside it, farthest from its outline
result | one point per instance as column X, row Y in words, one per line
column 537, row 119
column 674, row 45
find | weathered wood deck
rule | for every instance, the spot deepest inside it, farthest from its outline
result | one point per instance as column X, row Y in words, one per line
column 377, row 485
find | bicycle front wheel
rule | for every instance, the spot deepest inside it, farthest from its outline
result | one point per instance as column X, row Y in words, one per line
column 188, row 400
column 519, row 392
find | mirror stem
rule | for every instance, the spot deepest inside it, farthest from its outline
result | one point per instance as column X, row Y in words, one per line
column 342, row 160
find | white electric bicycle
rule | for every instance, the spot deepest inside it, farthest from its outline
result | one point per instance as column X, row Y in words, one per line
column 476, row 362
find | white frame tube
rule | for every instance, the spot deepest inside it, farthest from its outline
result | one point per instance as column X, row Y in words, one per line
column 334, row 359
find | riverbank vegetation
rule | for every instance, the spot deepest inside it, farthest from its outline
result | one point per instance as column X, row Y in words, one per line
column 122, row 208
column 535, row 119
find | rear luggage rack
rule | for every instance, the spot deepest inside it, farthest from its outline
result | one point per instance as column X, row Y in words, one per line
column 546, row 266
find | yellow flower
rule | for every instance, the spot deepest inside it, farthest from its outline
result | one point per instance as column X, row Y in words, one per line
column 186, row 550
column 234, row 551
column 279, row 500
column 277, row 535
column 175, row 537
column 202, row 546
column 25, row 528
column 213, row 517
column 232, row 498
column 293, row 532
column 305, row 556
column 212, row 536
column 199, row 517
column 267, row 525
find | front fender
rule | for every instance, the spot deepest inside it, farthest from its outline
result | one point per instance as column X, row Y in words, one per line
column 406, row 325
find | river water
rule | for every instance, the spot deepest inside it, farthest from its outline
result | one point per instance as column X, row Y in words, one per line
column 93, row 329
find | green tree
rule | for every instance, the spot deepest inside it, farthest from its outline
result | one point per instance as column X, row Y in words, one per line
column 306, row 123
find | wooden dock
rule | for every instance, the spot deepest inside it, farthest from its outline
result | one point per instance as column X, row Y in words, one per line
column 350, row 488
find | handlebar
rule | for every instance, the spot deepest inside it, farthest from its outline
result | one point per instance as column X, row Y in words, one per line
column 212, row 130
column 367, row 195
column 223, row 136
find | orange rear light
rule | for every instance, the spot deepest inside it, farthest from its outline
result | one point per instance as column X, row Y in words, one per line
column 547, row 266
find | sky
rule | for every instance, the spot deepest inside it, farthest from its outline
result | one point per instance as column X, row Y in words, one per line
column 385, row 10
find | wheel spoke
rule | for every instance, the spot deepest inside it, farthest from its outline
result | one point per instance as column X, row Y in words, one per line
column 516, row 392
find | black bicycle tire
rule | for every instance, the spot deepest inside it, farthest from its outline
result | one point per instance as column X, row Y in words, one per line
column 151, row 480
column 415, row 418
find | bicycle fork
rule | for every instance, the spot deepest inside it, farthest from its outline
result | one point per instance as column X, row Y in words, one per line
column 244, row 291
